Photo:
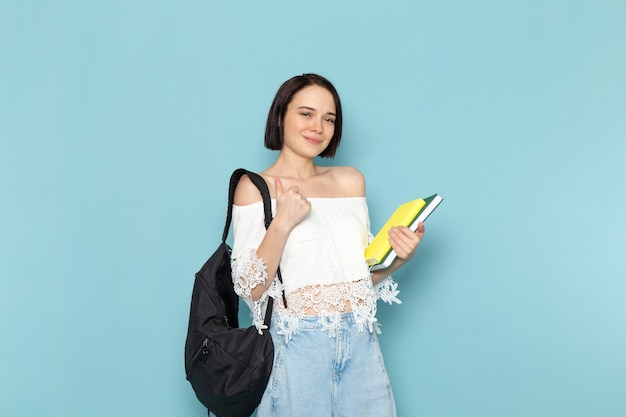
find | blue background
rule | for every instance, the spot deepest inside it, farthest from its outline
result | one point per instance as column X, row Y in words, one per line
column 120, row 122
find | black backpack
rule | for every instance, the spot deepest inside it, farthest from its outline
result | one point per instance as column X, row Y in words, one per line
column 227, row 366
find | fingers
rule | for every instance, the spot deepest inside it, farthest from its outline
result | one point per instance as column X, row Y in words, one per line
column 279, row 186
column 421, row 230
column 408, row 233
column 404, row 241
column 291, row 206
column 293, row 191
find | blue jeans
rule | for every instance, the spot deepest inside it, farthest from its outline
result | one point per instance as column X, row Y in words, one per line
column 321, row 374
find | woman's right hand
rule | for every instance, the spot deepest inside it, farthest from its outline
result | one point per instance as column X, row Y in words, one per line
column 291, row 206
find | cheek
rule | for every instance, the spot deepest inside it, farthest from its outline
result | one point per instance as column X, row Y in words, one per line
column 328, row 143
column 330, row 130
column 291, row 125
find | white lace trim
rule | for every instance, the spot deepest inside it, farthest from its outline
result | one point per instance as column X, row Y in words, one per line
column 325, row 301
column 387, row 290
column 248, row 272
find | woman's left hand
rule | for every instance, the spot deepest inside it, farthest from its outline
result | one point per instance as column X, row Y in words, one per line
column 404, row 241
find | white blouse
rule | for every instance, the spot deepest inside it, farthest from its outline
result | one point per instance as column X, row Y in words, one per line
column 323, row 264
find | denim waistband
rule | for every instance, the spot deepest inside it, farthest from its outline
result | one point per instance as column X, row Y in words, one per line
column 287, row 325
column 347, row 319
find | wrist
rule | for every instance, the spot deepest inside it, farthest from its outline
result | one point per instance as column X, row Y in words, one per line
column 280, row 226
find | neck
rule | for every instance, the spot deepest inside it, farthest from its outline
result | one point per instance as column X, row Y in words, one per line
column 294, row 166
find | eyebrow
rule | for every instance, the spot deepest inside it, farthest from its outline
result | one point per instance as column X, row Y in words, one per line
column 313, row 109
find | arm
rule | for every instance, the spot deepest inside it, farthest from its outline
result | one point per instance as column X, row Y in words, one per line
column 404, row 242
column 291, row 209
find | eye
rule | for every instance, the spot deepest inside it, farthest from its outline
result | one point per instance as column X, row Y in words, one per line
column 330, row 120
column 306, row 114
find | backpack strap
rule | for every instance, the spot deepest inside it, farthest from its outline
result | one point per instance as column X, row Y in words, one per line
column 260, row 183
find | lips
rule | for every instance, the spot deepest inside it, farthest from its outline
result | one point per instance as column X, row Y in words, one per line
column 313, row 141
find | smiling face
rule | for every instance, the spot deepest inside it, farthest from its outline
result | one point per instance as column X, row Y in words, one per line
column 309, row 122
column 274, row 128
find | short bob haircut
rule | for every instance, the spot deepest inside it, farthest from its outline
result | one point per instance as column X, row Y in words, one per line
column 276, row 116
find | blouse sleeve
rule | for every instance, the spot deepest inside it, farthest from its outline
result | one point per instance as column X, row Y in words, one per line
column 387, row 289
column 247, row 269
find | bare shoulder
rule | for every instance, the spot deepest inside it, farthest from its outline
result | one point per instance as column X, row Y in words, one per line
column 246, row 192
column 351, row 179
column 348, row 173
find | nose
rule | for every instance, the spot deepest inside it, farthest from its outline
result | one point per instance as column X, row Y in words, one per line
column 317, row 125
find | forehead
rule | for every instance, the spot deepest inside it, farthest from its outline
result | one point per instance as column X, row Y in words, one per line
column 314, row 96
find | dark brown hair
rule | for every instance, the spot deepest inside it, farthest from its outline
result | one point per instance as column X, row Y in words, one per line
column 276, row 116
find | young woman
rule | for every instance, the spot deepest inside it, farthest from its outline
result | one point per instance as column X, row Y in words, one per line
column 327, row 358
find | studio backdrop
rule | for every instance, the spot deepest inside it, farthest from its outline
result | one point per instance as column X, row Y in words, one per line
column 121, row 121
